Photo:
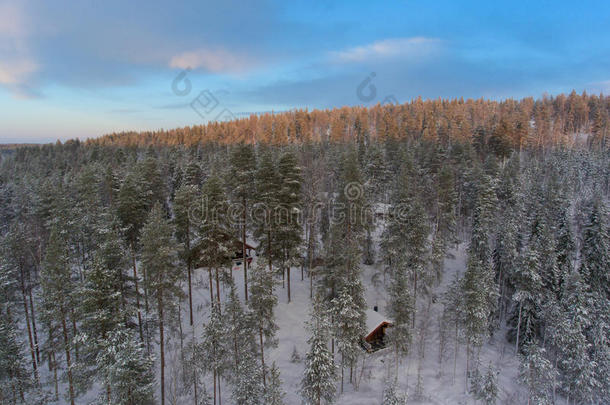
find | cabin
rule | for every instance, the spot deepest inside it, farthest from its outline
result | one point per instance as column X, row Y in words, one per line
column 237, row 258
column 376, row 325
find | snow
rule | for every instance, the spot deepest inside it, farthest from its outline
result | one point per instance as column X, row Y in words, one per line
column 439, row 384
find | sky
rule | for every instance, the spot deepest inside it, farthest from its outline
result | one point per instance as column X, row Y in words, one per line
column 84, row 68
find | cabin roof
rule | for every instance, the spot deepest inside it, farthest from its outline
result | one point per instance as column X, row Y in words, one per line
column 373, row 320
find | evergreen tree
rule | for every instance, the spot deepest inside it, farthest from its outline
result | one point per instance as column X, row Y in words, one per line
column 57, row 296
column 537, row 373
column 159, row 258
column 241, row 174
column 15, row 380
column 347, row 327
column 212, row 349
column 126, row 369
column 274, row 395
column 184, row 209
column 132, row 210
column 288, row 214
column 318, row 383
column 216, row 242
column 262, row 304
column 391, row 396
column 267, row 190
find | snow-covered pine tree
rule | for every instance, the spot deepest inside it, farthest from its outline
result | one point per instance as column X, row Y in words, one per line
column 213, row 348
column 347, row 329
column 160, row 259
column 577, row 374
column 243, row 168
column 132, row 210
column 216, row 242
column 105, row 303
column 538, row 374
column 391, row 396
column 125, row 367
column 57, row 296
column 267, row 188
column 262, row 304
column 274, row 395
column 479, row 287
column 184, row 206
column 15, row 379
column 288, row 213
column 248, row 388
column 318, row 384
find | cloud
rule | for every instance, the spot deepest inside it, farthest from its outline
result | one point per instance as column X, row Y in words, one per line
column 17, row 66
column 414, row 47
column 213, row 60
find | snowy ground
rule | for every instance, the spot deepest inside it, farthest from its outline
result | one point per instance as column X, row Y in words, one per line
column 439, row 384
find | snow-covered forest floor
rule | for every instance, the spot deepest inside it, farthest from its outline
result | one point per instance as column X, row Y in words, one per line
column 440, row 385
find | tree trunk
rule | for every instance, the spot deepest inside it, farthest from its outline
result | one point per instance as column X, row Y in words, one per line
column 211, row 287
column 68, row 361
column 33, row 320
column 288, row 281
column 189, row 267
column 135, row 280
column 518, row 329
column 217, row 287
column 161, row 344
column 189, row 270
column 260, row 334
column 54, row 368
column 72, row 317
column 27, row 321
column 214, row 386
column 342, row 367
column 245, row 263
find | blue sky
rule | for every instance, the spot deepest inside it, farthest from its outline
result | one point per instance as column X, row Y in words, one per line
column 85, row 68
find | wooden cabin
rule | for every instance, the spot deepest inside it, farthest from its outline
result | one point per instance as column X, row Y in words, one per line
column 376, row 325
column 238, row 253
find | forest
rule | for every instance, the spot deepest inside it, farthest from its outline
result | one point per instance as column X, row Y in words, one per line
column 478, row 228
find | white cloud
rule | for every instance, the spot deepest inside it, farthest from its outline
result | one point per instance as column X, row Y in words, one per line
column 16, row 63
column 414, row 47
column 213, row 60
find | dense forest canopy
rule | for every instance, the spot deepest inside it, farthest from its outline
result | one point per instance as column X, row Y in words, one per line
column 99, row 245
column 528, row 123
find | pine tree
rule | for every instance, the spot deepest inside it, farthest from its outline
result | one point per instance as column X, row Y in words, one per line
column 537, row 373
column 347, row 327
column 480, row 289
column 184, row 209
column 391, row 396
column 57, row 296
column 318, row 383
column 267, row 190
column 159, row 258
column 262, row 304
column 15, row 380
column 274, row 395
column 288, row 216
column 126, row 369
column 131, row 210
column 106, row 303
column 243, row 168
column 212, row 349
column 215, row 244
column 247, row 385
